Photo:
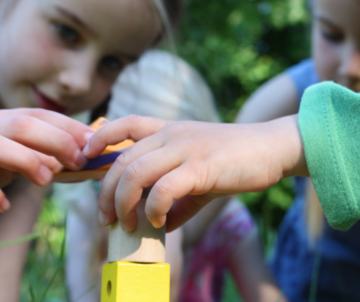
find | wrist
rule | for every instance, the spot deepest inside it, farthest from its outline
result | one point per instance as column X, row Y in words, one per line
column 288, row 147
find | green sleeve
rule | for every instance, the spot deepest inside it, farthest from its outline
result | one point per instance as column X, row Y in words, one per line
column 329, row 121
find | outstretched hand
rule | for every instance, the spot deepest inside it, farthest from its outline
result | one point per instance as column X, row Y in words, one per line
column 190, row 163
column 36, row 143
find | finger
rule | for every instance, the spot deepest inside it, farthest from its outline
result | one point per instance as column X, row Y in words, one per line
column 131, row 127
column 184, row 209
column 112, row 178
column 79, row 131
column 50, row 161
column 18, row 158
column 172, row 186
column 6, row 177
column 140, row 174
column 43, row 137
column 4, row 202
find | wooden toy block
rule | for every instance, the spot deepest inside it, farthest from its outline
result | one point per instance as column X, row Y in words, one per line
column 135, row 282
column 136, row 271
column 96, row 168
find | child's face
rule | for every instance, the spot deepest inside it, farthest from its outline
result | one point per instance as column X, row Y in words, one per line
column 64, row 55
column 336, row 41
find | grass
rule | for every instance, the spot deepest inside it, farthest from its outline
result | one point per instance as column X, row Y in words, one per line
column 44, row 278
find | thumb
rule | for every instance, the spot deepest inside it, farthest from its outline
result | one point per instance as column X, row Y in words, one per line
column 6, row 177
column 4, row 202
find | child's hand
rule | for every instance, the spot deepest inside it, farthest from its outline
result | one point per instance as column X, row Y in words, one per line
column 191, row 162
column 29, row 139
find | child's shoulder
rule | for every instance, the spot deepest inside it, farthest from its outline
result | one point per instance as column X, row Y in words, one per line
column 303, row 75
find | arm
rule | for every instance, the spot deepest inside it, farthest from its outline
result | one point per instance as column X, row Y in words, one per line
column 251, row 274
column 275, row 99
column 191, row 162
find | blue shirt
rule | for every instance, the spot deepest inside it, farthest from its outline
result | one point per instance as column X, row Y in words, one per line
column 332, row 266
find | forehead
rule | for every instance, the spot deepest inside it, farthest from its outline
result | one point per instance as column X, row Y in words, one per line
column 132, row 23
column 343, row 13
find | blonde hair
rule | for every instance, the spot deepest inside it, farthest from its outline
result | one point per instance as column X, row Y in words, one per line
column 162, row 85
column 170, row 12
column 315, row 218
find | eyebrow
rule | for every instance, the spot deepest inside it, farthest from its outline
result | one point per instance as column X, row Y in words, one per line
column 77, row 20
column 327, row 21
column 73, row 17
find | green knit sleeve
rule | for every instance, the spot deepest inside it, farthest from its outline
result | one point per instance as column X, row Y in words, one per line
column 329, row 121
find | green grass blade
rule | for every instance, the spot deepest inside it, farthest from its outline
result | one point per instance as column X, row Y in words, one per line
column 19, row 240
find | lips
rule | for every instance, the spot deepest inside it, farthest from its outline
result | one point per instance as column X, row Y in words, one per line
column 47, row 103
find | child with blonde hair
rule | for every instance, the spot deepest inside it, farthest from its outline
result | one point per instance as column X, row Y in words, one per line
column 323, row 262
column 64, row 56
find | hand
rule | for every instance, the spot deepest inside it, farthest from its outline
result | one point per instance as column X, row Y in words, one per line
column 36, row 143
column 192, row 163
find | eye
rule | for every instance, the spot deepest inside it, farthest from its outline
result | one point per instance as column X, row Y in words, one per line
column 332, row 37
column 111, row 63
column 66, row 33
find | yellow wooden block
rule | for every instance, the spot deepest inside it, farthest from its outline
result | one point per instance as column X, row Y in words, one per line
column 135, row 282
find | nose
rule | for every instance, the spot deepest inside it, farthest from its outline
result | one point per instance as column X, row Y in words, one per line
column 350, row 63
column 77, row 75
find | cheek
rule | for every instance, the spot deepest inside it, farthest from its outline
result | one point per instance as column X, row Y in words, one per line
column 100, row 91
column 28, row 55
column 326, row 57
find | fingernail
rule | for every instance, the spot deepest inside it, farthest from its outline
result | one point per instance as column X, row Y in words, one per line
column 45, row 175
column 156, row 225
column 79, row 158
column 58, row 169
column 103, row 218
column 88, row 135
column 124, row 227
column 86, row 150
column 4, row 206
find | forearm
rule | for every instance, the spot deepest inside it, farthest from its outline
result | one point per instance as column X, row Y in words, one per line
column 288, row 145
column 17, row 222
column 251, row 275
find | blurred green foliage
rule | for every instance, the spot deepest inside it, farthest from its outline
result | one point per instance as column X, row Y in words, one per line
column 44, row 276
column 236, row 45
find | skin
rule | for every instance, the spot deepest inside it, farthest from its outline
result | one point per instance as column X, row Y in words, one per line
column 335, row 51
column 75, row 57
column 336, row 41
column 23, row 131
column 77, row 49
column 230, row 159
